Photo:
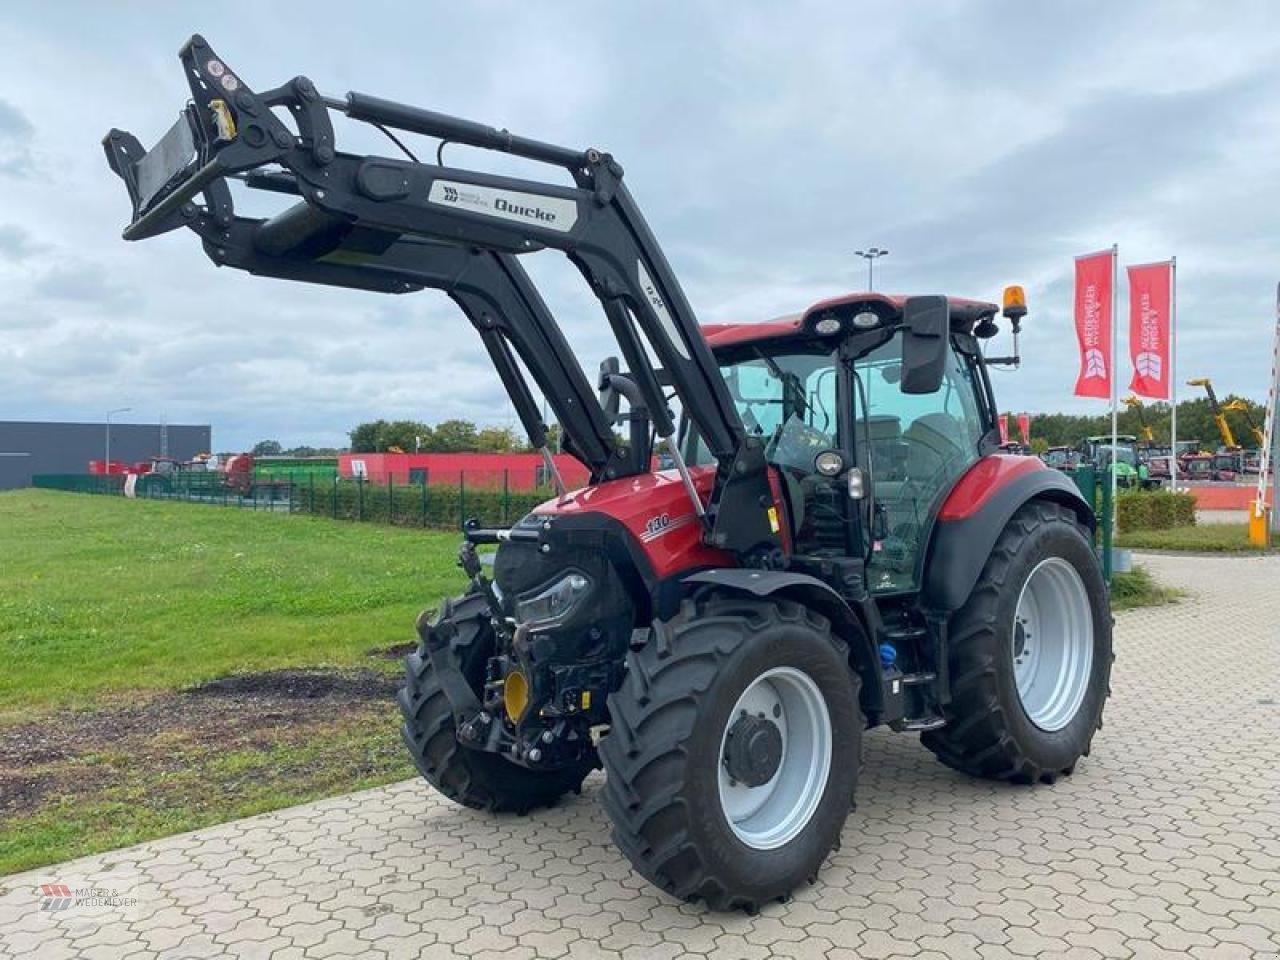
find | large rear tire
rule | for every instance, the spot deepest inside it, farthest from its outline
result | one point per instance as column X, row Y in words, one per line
column 733, row 753
column 1030, row 655
column 482, row 781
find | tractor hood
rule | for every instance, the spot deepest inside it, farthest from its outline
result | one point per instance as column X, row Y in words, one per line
column 654, row 509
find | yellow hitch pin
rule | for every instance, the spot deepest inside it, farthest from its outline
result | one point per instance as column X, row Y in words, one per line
column 223, row 120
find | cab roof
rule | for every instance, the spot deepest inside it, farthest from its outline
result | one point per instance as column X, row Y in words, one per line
column 964, row 313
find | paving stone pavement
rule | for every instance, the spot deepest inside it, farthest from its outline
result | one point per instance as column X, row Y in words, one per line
column 1165, row 843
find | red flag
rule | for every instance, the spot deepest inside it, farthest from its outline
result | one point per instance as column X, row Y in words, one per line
column 1149, row 334
column 1024, row 425
column 1003, row 421
column 1093, row 323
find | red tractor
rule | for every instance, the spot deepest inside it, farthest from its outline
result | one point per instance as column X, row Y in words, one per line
column 838, row 544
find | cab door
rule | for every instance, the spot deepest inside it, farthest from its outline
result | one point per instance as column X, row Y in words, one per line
column 914, row 447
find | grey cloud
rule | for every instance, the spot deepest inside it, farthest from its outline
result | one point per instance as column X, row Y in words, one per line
column 16, row 133
column 16, row 243
column 80, row 282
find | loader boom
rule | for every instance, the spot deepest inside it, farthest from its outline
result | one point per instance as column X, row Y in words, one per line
column 1219, row 418
column 362, row 221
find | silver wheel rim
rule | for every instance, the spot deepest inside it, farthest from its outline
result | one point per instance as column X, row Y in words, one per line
column 770, row 815
column 1051, row 643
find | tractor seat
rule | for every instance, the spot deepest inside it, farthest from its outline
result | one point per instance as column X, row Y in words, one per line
column 935, row 440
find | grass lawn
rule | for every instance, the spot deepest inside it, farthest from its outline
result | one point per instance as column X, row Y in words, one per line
column 115, row 615
column 1203, row 538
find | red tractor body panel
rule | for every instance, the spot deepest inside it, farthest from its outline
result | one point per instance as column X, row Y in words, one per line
column 982, row 481
column 655, row 509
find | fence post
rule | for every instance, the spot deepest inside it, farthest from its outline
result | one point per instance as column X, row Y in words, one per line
column 1108, row 522
column 462, row 499
column 506, row 497
column 424, row 498
column 391, row 500
column 335, row 497
column 360, row 498
column 311, row 502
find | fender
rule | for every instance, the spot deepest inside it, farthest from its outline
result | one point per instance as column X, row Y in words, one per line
column 819, row 596
column 975, row 513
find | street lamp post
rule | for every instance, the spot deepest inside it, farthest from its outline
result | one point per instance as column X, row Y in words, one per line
column 110, row 413
column 871, row 255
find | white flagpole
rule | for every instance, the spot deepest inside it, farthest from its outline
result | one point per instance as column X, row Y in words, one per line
column 1173, row 373
column 1115, row 382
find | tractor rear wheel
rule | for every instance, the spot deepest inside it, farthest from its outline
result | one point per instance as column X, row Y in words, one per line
column 1030, row 655
column 483, row 781
column 733, row 753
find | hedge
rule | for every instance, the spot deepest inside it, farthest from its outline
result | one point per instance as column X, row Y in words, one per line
column 1154, row 510
column 444, row 506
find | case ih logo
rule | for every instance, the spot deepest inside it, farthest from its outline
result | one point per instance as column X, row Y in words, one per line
column 55, row 896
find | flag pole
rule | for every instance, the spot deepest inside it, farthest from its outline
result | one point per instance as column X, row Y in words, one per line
column 1115, row 383
column 1173, row 373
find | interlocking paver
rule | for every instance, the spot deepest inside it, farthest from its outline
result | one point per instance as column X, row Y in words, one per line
column 1165, row 842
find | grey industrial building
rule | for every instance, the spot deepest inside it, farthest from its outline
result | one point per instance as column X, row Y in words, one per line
column 31, row 447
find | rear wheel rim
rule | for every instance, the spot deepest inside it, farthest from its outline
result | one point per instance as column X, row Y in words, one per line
column 1051, row 643
column 772, row 814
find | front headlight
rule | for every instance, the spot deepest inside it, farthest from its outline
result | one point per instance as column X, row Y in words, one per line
column 555, row 602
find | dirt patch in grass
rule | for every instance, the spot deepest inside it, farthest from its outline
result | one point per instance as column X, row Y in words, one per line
column 121, row 742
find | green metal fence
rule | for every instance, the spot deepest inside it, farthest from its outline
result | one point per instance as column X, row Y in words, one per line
column 445, row 506
column 112, row 483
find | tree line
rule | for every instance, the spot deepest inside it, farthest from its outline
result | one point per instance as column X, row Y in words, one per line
column 1195, row 422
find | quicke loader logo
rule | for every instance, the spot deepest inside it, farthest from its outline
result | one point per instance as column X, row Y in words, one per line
column 554, row 213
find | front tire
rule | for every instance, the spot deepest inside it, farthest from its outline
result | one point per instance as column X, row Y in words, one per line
column 482, row 781
column 733, row 753
column 1030, row 655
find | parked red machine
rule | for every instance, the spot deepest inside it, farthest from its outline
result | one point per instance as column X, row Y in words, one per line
column 839, row 544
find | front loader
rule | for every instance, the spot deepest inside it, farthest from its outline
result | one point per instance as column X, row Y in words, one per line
column 838, row 542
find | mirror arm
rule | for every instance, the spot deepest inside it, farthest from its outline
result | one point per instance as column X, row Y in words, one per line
column 1014, row 361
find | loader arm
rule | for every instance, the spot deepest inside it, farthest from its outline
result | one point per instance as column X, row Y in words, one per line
column 227, row 130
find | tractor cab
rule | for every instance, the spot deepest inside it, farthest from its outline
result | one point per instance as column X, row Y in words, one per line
column 864, row 463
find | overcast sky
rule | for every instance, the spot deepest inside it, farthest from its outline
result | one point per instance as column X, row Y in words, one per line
column 982, row 143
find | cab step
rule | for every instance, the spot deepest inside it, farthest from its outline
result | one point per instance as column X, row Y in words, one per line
column 920, row 724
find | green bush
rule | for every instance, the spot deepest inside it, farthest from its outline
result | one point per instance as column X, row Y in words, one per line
column 1154, row 510
column 442, row 506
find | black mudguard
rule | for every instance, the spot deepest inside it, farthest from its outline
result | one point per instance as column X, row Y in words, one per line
column 819, row 596
column 959, row 548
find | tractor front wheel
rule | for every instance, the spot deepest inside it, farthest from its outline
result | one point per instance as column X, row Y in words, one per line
column 483, row 781
column 733, row 752
column 1030, row 655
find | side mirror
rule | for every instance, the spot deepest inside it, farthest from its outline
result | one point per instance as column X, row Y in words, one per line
column 926, row 322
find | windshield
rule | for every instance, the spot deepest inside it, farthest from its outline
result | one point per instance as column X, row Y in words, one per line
column 1125, row 455
column 785, row 396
